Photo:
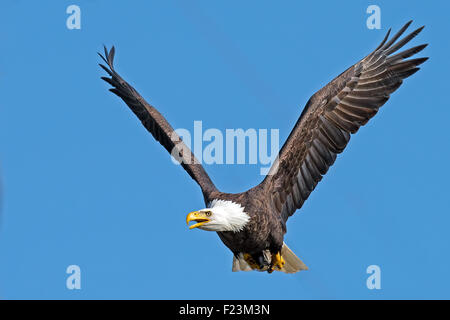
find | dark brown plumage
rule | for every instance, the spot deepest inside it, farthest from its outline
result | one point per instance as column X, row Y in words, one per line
column 323, row 130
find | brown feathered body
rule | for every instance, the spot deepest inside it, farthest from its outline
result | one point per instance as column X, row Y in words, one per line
column 265, row 229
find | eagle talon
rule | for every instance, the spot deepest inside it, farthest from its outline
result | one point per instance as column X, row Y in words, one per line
column 277, row 262
column 251, row 262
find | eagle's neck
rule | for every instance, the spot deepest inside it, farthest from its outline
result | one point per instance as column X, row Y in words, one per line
column 229, row 215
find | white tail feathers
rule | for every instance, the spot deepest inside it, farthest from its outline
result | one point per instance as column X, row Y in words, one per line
column 292, row 263
column 239, row 264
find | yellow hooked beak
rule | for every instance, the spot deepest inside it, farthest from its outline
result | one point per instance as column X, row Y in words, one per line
column 197, row 216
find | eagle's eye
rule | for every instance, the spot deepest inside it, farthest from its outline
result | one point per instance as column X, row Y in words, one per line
column 208, row 213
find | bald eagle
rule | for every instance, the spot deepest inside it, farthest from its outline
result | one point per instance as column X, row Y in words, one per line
column 252, row 224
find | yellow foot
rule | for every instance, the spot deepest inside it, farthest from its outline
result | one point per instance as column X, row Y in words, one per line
column 277, row 262
column 251, row 262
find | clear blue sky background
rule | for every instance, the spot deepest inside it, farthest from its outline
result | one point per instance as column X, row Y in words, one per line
column 85, row 184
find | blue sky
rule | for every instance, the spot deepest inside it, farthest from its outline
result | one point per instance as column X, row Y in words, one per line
column 85, row 184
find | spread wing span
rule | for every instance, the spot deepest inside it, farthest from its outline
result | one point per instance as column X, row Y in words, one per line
column 156, row 124
column 334, row 113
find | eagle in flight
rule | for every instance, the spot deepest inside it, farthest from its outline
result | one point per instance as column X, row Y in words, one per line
column 252, row 224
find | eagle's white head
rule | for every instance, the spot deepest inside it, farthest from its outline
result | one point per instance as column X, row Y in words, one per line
column 220, row 215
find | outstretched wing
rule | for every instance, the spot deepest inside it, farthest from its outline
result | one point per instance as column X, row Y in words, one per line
column 156, row 124
column 331, row 115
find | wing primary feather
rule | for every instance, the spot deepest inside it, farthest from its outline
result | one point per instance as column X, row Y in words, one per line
column 407, row 73
column 397, row 35
column 407, row 53
column 408, row 64
column 404, row 41
column 384, row 40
